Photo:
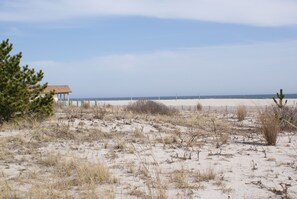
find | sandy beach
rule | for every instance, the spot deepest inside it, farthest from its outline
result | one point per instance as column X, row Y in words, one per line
column 109, row 152
column 148, row 99
column 215, row 103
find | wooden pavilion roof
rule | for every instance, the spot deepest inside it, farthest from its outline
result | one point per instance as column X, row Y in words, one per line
column 58, row 89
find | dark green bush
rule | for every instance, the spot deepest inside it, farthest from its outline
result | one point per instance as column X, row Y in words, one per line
column 21, row 95
column 150, row 107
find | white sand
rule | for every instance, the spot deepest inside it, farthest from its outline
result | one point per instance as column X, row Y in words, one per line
column 244, row 167
column 203, row 102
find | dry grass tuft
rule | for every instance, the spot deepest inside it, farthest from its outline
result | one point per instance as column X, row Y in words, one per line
column 199, row 106
column 52, row 159
column 73, row 172
column 241, row 112
column 93, row 173
column 120, row 145
column 206, row 175
column 94, row 134
column 220, row 132
column 150, row 107
column 169, row 140
column 6, row 192
column 39, row 191
column 180, row 178
column 85, row 172
column 52, row 133
column 22, row 123
column 5, row 153
column 86, row 105
column 99, row 112
column 288, row 116
column 269, row 125
column 137, row 193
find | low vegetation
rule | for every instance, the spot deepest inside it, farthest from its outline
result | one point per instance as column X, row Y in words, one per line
column 199, row 106
column 269, row 126
column 115, row 152
column 180, row 178
column 288, row 118
column 206, row 174
column 279, row 100
column 287, row 115
column 275, row 120
column 241, row 112
column 150, row 107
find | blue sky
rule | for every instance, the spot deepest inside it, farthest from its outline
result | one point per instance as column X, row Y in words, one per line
column 157, row 48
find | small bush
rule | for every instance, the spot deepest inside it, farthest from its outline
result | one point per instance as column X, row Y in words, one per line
column 86, row 105
column 150, row 107
column 99, row 112
column 288, row 117
column 199, row 106
column 270, row 126
column 241, row 112
column 220, row 131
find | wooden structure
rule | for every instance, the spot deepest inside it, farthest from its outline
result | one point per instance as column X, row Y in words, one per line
column 61, row 92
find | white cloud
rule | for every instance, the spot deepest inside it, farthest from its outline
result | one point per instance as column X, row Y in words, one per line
column 251, row 12
column 206, row 70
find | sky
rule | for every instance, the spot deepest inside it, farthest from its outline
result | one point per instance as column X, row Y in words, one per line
column 128, row 48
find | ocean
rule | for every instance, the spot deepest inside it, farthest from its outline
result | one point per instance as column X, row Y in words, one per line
column 265, row 96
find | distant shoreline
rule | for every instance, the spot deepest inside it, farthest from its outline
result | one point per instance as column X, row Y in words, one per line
column 263, row 96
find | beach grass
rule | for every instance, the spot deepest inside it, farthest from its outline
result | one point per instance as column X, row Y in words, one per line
column 113, row 152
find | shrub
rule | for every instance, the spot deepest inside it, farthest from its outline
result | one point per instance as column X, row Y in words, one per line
column 20, row 91
column 288, row 118
column 150, row 107
column 86, row 105
column 199, row 106
column 241, row 112
column 281, row 102
column 99, row 112
column 220, row 132
column 269, row 125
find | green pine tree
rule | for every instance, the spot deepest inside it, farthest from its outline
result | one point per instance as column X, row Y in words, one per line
column 21, row 94
column 280, row 103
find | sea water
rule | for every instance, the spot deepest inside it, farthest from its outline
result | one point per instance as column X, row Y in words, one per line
column 264, row 96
